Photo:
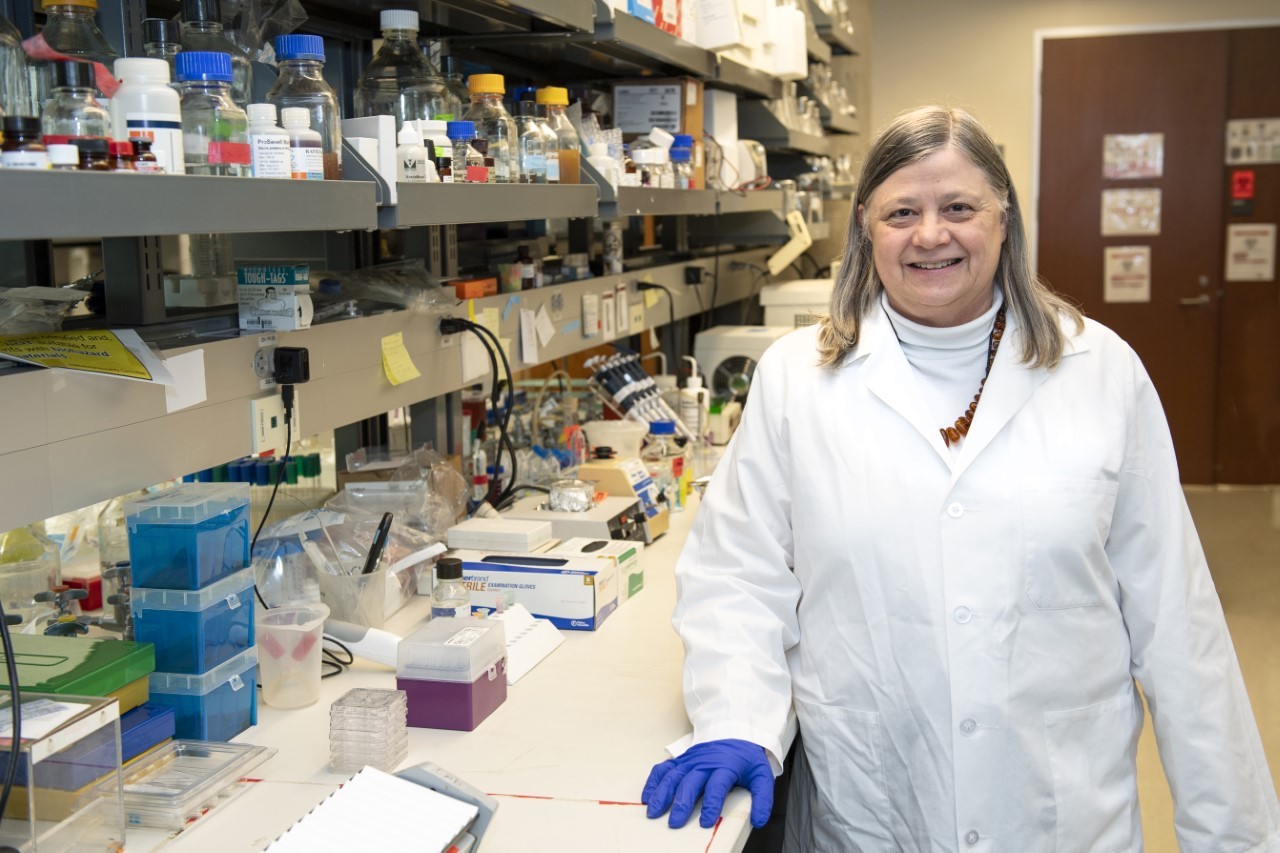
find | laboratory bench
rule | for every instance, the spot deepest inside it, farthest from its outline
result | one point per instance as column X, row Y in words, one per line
column 566, row 755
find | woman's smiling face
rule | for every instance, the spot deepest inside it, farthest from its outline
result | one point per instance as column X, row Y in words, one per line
column 936, row 229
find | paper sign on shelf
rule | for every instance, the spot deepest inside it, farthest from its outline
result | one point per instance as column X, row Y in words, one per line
column 546, row 330
column 189, row 387
column 475, row 360
column 623, row 320
column 590, row 315
column 491, row 319
column 651, row 298
column 1130, row 212
column 637, row 318
column 397, row 364
column 118, row 353
column 607, row 317
column 528, row 337
column 1128, row 274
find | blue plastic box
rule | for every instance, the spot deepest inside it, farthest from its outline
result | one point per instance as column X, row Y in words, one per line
column 189, row 536
column 195, row 630
column 217, row 705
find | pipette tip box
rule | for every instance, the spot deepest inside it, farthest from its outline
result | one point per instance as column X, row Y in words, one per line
column 195, row 630
column 453, row 671
column 189, row 536
column 217, row 705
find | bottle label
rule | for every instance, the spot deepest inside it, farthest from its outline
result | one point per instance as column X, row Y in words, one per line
column 553, row 168
column 412, row 170
column 463, row 611
column 230, row 154
column 24, row 160
column 149, row 167
column 270, row 155
column 477, row 174
column 306, row 164
column 165, row 133
column 535, row 164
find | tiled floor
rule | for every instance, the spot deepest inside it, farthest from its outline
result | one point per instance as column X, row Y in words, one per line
column 1240, row 529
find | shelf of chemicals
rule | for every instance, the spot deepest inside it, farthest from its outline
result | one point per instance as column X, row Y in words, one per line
column 755, row 201
column 744, row 80
column 455, row 204
column 91, row 205
column 837, row 33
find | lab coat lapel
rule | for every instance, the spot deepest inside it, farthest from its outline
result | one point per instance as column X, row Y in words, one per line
column 889, row 376
column 1009, row 386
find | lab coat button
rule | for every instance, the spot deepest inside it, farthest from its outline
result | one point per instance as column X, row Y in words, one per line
column 971, row 837
column 955, row 510
column 968, row 727
column 962, row 615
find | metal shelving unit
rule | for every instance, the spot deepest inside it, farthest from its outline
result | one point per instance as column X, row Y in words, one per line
column 839, row 35
column 755, row 201
column 642, row 201
column 736, row 77
column 94, row 204
column 819, row 50
column 755, row 121
column 456, row 204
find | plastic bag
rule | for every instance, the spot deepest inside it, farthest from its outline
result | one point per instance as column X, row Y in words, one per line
column 403, row 284
column 253, row 24
column 24, row 310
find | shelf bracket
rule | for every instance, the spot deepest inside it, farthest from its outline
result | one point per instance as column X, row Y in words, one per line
column 134, row 276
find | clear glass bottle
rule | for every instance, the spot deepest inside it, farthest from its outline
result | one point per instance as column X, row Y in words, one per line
column 70, row 29
column 306, row 148
column 468, row 163
column 202, row 30
column 15, row 89
column 29, row 563
column 215, row 130
column 556, row 100
column 533, row 145
column 682, row 166
column 400, row 81
column 302, row 84
column 496, row 134
column 450, row 596
column 455, row 87
column 659, row 451
column 162, row 39
column 73, row 112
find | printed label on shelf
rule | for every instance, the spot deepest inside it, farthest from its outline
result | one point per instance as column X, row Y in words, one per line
column 639, row 109
column 230, row 154
column 270, row 155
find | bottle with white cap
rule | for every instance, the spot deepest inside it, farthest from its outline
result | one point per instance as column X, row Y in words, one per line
column 695, row 401
column 269, row 143
column 400, row 81
column 147, row 107
column 411, row 156
column 306, row 146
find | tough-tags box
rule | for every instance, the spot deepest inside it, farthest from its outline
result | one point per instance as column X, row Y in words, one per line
column 573, row 593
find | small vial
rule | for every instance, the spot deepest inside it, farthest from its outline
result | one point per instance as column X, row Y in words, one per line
column 306, row 147
column 450, row 596
column 143, row 159
column 121, row 155
column 528, row 269
column 22, row 148
column 95, row 156
column 411, row 156
column 64, row 158
column 468, row 164
column 269, row 143
column 533, row 145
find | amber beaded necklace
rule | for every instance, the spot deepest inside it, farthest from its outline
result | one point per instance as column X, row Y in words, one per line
column 952, row 434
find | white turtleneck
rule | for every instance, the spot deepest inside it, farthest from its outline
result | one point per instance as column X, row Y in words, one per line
column 950, row 362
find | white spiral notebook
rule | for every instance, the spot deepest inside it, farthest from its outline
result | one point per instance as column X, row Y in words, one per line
column 374, row 810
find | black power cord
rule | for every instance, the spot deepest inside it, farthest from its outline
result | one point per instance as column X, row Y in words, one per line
column 671, row 300
column 15, row 712
column 291, row 365
column 455, row 325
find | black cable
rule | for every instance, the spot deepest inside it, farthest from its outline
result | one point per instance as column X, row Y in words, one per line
column 527, row 487
column 715, row 275
column 15, row 712
column 330, row 658
column 671, row 300
column 504, row 437
column 286, row 394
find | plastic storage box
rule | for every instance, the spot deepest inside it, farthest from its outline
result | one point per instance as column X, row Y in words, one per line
column 144, row 728
column 217, row 705
column 82, row 666
column 453, row 671
column 69, row 756
column 194, row 631
column 189, row 536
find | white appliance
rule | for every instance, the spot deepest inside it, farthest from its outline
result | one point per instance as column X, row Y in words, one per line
column 727, row 357
column 796, row 303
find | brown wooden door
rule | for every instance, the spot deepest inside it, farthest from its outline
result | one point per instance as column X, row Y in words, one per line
column 1248, row 419
column 1170, row 83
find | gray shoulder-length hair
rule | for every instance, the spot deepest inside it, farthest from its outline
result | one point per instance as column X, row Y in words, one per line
column 912, row 137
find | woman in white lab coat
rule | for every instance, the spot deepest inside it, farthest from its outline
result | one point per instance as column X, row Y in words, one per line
column 956, row 599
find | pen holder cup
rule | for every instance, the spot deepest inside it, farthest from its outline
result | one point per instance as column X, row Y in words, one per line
column 360, row 599
column 289, row 646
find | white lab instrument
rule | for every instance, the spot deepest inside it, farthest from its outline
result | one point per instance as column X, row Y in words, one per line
column 796, row 303
column 728, row 356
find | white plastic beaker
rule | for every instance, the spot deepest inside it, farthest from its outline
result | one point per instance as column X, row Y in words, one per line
column 289, row 645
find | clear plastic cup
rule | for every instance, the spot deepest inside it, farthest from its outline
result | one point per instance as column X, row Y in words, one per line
column 289, row 645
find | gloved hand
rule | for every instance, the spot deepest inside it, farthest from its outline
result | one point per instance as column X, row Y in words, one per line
column 710, row 770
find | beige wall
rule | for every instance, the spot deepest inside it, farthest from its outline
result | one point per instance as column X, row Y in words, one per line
column 979, row 55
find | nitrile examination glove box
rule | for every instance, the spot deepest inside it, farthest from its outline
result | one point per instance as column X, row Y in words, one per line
column 573, row 593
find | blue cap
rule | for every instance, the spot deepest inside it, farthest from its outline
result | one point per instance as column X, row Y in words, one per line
column 683, row 140
column 680, row 155
column 295, row 46
column 203, row 65
column 457, row 129
column 662, row 428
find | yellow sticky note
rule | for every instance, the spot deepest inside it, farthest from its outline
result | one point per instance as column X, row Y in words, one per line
column 651, row 298
column 471, row 310
column 396, row 362
column 491, row 319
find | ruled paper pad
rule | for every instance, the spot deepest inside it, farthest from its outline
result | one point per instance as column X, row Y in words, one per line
column 376, row 810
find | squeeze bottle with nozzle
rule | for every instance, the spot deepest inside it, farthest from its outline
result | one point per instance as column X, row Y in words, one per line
column 695, row 401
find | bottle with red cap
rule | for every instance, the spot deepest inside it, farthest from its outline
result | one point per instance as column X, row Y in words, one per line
column 121, row 155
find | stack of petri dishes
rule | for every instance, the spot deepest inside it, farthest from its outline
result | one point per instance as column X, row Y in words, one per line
column 367, row 727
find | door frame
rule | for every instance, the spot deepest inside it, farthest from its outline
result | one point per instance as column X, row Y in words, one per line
column 1039, row 37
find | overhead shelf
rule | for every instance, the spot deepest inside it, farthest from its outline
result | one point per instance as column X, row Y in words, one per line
column 464, row 16
column 572, row 14
column 754, row 201
column 837, row 122
column 838, row 34
column 456, row 204
column 114, row 204
column 643, row 201
column 756, row 121
column 752, row 82
column 819, row 50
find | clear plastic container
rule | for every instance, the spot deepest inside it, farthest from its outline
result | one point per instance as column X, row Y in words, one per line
column 215, row 130
column 556, row 100
column 162, row 39
column 533, row 145
column 217, row 705
column 194, row 631
column 468, row 164
column 15, row 91
column 302, row 84
column 202, row 30
column 660, row 450
column 73, row 112
column 450, row 596
column 454, row 672
column 290, row 641
column 400, row 81
column 682, row 166
column 70, row 28
column 189, row 536
column 496, row 134
column 29, row 563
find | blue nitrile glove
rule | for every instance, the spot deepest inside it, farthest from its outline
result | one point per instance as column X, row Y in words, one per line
column 710, row 770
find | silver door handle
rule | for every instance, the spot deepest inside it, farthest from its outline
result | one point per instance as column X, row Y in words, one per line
column 1192, row 301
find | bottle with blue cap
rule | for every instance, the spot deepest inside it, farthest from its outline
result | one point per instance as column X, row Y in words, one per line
column 302, row 84
column 202, row 30
column 215, row 132
column 468, row 164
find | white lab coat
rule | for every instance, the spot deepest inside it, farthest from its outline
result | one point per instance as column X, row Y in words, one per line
column 959, row 636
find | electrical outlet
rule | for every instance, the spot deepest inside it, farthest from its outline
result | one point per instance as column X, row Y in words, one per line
column 266, row 417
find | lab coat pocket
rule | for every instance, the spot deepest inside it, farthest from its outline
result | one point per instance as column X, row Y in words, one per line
column 1065, row 523
column 844, row 749
column 1095, row 787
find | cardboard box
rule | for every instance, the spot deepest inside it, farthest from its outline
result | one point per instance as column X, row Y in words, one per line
column 668, row 16
column 573, row 593
column 475, row 288
column 674, row 104
column 623, row 554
